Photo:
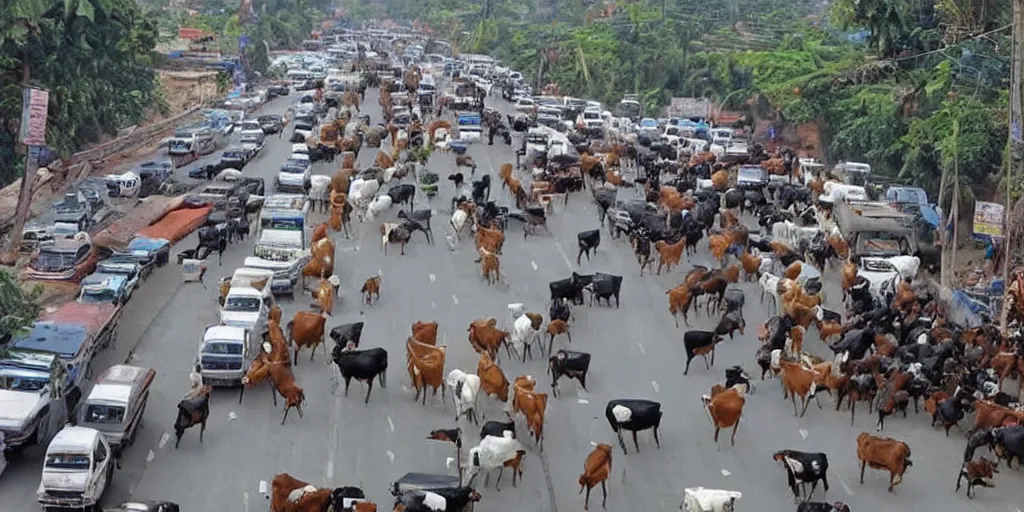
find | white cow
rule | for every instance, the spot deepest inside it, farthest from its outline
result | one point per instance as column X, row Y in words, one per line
column 465, row 388
column 379, row 205
column 524, row 336
column 492, row 453
column 460, row 221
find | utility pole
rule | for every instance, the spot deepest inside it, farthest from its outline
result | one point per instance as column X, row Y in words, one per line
column 1016, row 142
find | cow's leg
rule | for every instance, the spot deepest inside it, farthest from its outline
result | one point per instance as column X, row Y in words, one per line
column 177, row 435
column 622, row 443
column 497, row 483
column 635, row 443
column 369, row 388
column 657, row 442
column 807, row 401
column 863, row 464
column 604, row 494
column 286, row 409
column 273, row 393
column 586, row 499
column 348, row 380
column 202, row 428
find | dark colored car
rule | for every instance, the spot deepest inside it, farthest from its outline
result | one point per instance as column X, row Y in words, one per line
column 271, row 123
column 236, row 157
column 278, row 90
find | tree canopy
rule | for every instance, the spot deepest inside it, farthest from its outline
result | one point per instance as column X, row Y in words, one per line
column 879, row 81
column 93, row 56
column 20, row 308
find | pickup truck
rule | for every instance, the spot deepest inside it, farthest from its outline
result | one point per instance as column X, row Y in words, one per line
column 30, row 382
column 248, row 299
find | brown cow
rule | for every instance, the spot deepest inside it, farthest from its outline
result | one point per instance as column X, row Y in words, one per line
column 977, row 472
column 319, row 233
column 797, row 380
column 718, row 245
column 425, row 364
column 340, row 213
column 883, row 453
column 321, row 263
column 425, row 332
column 490, row 266
column 827, row 330
column 991, row 415
column 1006, row 364
column 596, row 470
column 679, row 300
column 724, row 407
column 505, row 174
column 492, row 380
column 284, row 383
column 284, row 498
column 556, row 327
column 371, row 288
column 490, row 240
column 751, row 265
column 324, row 295
column 720, row 180
column 532, row 405
column 793, row 270
column 848, row 276
column 306, row 329
column 669, row 254
column 486, row 338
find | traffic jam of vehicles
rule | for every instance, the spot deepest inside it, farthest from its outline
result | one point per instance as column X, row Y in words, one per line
column 662, row 191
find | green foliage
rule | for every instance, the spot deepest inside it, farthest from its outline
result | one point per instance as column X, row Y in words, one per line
column 92, row 55
column 20, row 307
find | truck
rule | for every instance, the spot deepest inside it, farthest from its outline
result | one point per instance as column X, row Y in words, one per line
column 36, row 391
column 75, row 211
column 248, row 299
column 282, row 243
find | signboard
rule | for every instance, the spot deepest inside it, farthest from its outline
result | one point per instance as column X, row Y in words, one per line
column 190, row 33
column 988, row 220
column 34, row 108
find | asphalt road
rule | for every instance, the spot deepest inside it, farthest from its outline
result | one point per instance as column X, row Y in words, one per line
column 637, row 353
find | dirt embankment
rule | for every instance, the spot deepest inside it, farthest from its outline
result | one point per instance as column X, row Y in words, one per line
column 185, row 89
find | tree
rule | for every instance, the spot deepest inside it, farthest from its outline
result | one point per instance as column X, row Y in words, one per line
column 20, row 308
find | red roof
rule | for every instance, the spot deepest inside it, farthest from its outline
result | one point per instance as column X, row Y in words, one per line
column 93, row 316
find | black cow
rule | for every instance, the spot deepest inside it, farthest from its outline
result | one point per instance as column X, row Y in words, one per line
column 212, row 238
column 604, row 287
column 455, row 499
column 482, row 189
column 570, row 288
column 560, row 311
column 402, row 194
column 457, row 179
column 734, row 300
column 422, row 217
column 571, row 364
column 821, row 506
column 497, row 428
column 1009, row 443
column 451, row 435
column 363, row 365
column 731, row 322
column 803, row 468
column 348, row 335
column 634, row 415
column 953, row 409
column 193, row 410
column 700, row 343
column 342, row 497
column 734, row 198
column 587, row 241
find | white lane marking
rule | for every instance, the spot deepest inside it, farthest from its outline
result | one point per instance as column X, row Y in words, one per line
column 803, row 433
column 391, row 424
column 150, row 456
column 725, row 472
column 561, row 252
column 534, row 265
column 657, row 388
column 843, row 483
column 433, row 304
column 245, row 501
column 433, row 278
column 455, row 299
column 583, row 401
column 641, row 347
column 391, row 456
column 405, row 389
column 163, row 440
column 330, row 469
column 263, row 486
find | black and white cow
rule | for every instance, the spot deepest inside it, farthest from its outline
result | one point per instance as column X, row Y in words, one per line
column 634, row 415
column 571, row 364
column 587, row 241
column 803, row 468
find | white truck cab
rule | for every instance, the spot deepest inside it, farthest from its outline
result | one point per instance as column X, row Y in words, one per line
column 248, row 300
column 77, row 469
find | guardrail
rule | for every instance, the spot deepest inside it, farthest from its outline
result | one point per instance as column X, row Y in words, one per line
column 138, row 137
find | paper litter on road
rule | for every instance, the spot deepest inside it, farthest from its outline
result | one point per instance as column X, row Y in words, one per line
column 232, row 416
column 163, row 440
column 657, row 388
column 803, row 433
column 583, row 401
column 433, row 278
column 391, row 456
column 150, row 457
column 725, row 472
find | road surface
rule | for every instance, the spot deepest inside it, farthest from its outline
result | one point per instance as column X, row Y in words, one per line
column 637, row 353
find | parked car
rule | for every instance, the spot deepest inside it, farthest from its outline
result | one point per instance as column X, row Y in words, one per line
column 271, row 123
column 116, row 404
column 150, row 251
column 278, row 90
column 101, row 288
column 77, row 469
column 236, row 157
column 146, row 506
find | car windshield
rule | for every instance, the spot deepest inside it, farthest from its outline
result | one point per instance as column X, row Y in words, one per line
column 591, row 115
column 233, row 155
column 242, row 304
column 48, row 261
column 294, row 166
column 122, row 270
column 22, row 383
column 181, row 143
column 111, row 414
column 97, row 295
column 78, row 461
column 222, row 348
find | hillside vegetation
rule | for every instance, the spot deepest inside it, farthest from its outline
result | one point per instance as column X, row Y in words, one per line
column 912, row 87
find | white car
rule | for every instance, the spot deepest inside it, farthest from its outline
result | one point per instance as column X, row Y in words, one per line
column 525, row 105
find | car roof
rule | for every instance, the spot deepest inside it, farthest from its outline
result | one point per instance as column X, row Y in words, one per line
column 73, row 439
